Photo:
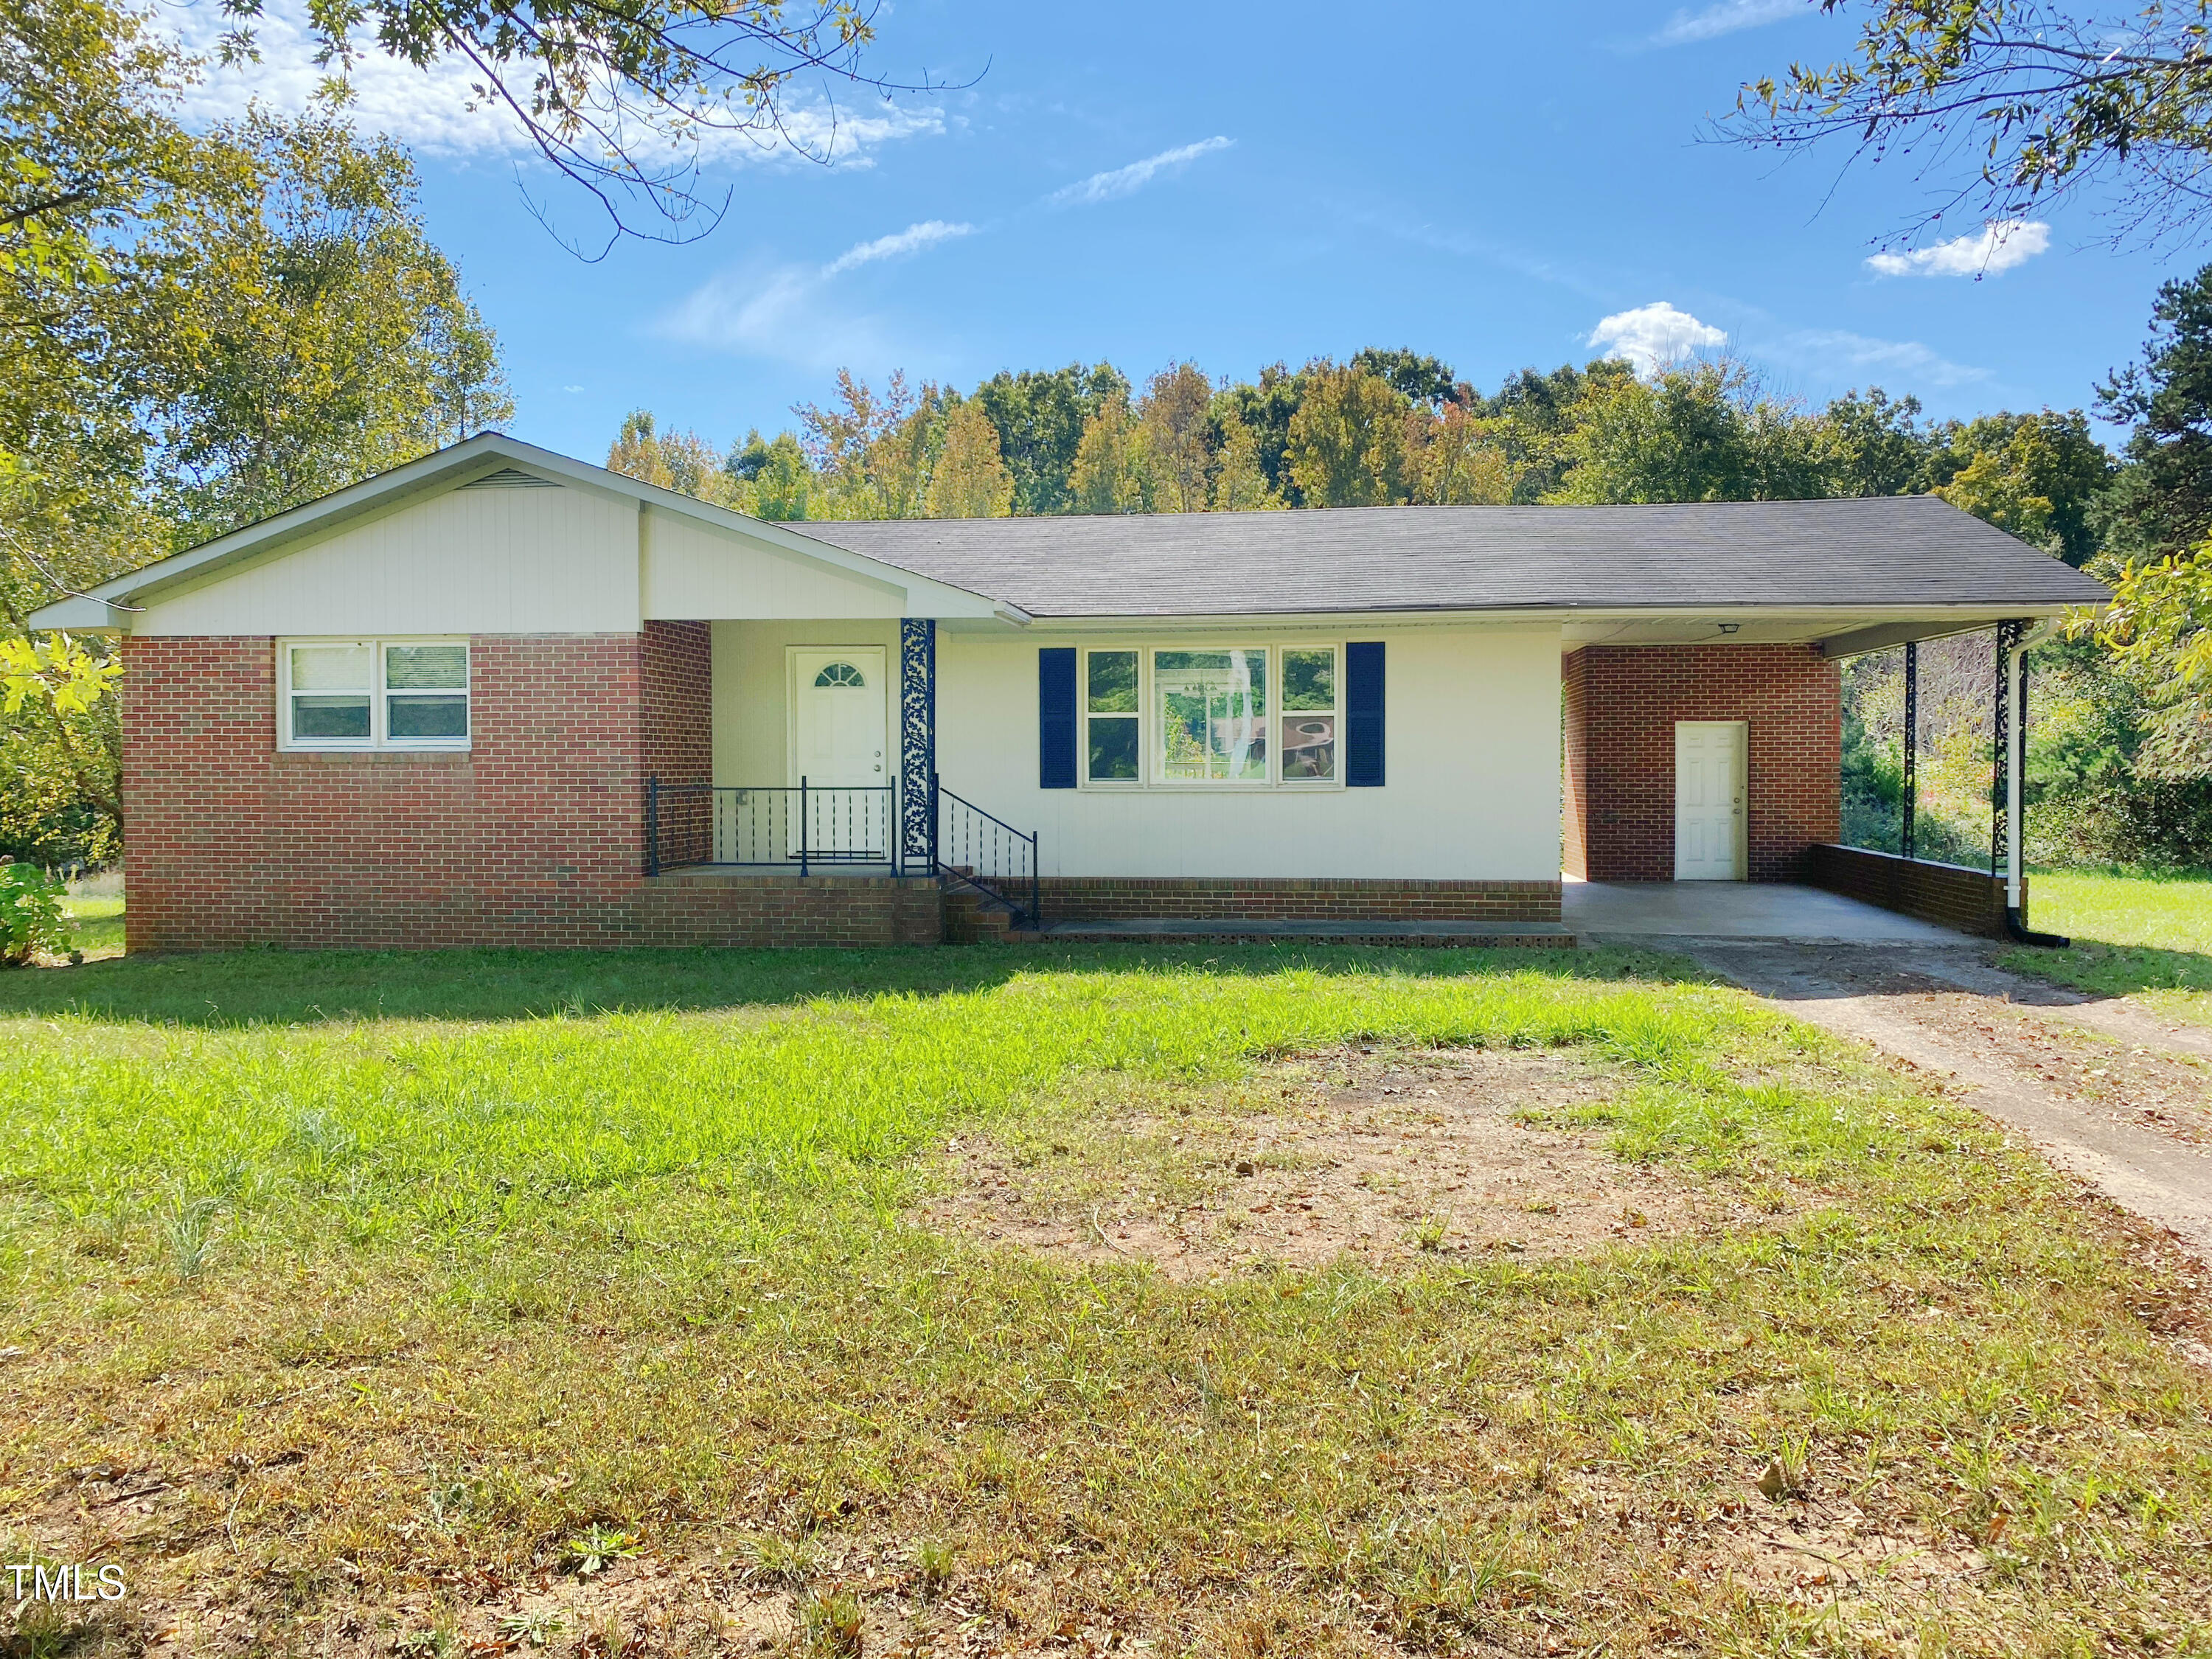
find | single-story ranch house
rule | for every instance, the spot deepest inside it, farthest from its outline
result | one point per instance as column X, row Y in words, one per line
column 501, row 697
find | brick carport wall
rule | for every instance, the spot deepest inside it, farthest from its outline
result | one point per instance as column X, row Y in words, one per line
column 1620, row 707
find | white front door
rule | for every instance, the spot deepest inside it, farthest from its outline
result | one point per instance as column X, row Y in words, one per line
column 1709, row 788
column 840, row 726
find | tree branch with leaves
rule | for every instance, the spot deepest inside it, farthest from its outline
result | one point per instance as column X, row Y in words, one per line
column 2014, row 104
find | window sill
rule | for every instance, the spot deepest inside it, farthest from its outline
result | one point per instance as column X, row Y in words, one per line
column 295, row 753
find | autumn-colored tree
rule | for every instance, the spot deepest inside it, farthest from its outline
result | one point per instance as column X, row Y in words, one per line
column 1106, row 476
column 1240, row 481
column 1039, row 416
column 1347, row 442
column 1464, row 461
column 680, row 461
column 971, row 479
column 1174, row 419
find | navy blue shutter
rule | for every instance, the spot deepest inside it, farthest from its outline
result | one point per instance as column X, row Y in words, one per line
column 1056, row 718
column 1363, row 715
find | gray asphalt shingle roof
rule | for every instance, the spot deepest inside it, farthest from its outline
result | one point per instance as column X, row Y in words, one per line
column 1894, row 551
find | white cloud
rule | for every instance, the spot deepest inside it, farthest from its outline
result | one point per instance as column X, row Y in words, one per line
column 1127, row 181
column 912, row 239
column 1653, row 335
column 778, row 312
column 1837, row 352
column 431, row 109
column 1726, row 17
column 2003, row 244
column 784, row 311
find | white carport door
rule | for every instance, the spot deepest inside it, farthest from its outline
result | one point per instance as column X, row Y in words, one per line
column 1709, row 788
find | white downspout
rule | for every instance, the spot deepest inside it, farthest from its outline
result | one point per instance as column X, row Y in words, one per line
column 2015, row 691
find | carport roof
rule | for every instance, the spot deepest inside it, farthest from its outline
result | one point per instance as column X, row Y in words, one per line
column 1902, row 553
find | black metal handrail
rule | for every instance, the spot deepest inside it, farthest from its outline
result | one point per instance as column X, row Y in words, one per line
column 805, row 825
column 971, row 845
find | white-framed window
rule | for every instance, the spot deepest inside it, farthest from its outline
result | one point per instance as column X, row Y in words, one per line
column 1206, row 715
column 1113, row 735
column 373, row 694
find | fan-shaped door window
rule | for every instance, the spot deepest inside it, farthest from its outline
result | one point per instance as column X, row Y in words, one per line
column 839, row 673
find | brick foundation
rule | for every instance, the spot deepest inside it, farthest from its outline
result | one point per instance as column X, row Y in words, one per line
column 534, row 837
column 1129, row 898
column 1620, row 704
column 712, row 908
column 1950, row 895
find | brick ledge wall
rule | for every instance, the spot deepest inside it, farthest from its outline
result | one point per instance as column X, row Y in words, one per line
column 1207, row 898
column 1950, row 895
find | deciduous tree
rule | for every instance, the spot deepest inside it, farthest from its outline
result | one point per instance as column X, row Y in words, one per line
column 1347, row 442
column 2037, row 100
column 969, row 480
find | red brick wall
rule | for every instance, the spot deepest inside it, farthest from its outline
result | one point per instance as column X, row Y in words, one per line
column 532, row 837
column 1126, row 898
column 679, row 736
column 1955, row 896
column 1574, row 767
column 1621, row 703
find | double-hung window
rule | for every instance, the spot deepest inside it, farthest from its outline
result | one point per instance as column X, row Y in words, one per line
column 1216, row 716
column 1112, row 724
column 374, row 694
column 1310, row 717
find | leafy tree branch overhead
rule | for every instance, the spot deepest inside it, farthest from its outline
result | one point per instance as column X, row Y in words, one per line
column 2012, row 105
column 627, row 100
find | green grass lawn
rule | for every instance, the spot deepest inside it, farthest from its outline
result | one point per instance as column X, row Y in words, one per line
column 98, row 919
column 346, row 1293
column 2134, row 935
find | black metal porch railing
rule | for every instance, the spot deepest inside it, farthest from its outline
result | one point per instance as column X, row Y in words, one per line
column 807, row 827
column 988, row 853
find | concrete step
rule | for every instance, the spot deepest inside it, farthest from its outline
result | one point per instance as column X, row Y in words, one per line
column 1232, row 930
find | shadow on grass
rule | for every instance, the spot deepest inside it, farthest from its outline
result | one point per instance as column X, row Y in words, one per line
column 269, row 987
column 2117, row 970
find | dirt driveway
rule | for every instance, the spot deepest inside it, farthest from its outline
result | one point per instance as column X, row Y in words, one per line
column 2107, row 1091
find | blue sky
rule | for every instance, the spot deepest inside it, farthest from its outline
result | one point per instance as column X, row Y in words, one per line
column 1237, row 185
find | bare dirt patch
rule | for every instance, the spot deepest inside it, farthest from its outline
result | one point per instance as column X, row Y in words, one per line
column 1389, row 1159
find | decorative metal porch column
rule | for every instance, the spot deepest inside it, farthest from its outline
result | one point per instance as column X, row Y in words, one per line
column 2004, row 786
column 1909, row 804
column 917, row 842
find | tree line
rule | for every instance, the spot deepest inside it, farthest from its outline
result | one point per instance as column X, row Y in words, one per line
column 1383, row 427
column 2121, row 767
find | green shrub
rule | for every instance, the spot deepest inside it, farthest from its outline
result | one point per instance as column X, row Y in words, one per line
column 31, row 918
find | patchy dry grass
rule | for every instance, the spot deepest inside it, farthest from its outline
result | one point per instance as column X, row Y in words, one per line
column 352, row 1333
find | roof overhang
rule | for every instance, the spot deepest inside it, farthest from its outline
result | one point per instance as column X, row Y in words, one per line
column 1836, row 630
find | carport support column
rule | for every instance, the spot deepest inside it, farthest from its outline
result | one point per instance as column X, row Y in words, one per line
column 917, row 743
column 2008, row 820
column 1909, row 805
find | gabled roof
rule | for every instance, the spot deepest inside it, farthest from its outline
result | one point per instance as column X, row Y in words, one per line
column 1907, row 555
column 494, row 459
column 1901, row 552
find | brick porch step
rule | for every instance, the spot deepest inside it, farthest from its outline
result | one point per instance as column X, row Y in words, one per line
column 1232, row 930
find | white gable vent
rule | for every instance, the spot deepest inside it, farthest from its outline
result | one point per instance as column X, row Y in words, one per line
column 508, row 478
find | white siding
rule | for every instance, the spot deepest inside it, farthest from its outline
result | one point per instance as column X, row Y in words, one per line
column 559, row 560
column 693, row 569
column 751, row 694
column 1472, row 735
